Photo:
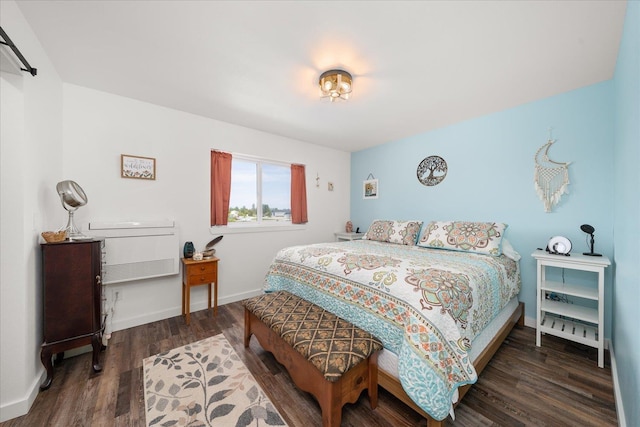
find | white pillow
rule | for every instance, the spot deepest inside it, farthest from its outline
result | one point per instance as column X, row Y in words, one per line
column 508, row 250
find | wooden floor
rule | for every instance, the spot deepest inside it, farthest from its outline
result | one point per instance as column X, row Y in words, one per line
column 558, row 384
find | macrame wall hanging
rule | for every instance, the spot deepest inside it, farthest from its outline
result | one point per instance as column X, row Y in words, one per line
column 551, row 178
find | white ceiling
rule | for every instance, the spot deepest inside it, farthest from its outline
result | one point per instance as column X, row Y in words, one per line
column 417, row 65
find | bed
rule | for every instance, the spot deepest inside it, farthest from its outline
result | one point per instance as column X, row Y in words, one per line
column 441, row 298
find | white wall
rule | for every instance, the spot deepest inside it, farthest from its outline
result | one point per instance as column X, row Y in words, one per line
column 31, row 164
column 45, row 141
column 99, row 127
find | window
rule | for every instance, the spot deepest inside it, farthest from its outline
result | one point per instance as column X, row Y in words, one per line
column 260, row 192
column 250, row 191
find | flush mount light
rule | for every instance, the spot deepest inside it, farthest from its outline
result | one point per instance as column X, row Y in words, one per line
column 335, row 84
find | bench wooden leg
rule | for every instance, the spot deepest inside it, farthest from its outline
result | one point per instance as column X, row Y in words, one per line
column 247, row 327
column 331, row 405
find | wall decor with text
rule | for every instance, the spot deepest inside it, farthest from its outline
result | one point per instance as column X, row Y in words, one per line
column 137, row 167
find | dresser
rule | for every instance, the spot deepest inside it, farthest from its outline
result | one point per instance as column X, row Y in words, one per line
column 72, row 291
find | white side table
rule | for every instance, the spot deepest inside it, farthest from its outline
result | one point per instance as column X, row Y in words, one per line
column 574, row 322
column 342, row 237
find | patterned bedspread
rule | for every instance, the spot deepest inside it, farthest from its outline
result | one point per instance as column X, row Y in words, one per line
column 425, row 305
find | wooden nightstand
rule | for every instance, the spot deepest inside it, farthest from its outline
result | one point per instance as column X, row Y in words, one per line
column 197, row 273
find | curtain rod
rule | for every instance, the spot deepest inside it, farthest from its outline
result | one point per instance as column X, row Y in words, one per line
column 7, row 41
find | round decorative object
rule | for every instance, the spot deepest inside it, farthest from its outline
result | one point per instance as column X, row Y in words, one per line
column 559, row 245
column 208, row 253
column 432, row 171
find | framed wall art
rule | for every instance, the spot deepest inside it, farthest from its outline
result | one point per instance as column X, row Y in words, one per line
column 137, row 167
column 370, row 189
column 432, row 170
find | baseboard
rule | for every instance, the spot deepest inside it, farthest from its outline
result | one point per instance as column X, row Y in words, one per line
column 616, row 388
column 176, row 311
column 530, row 322
column 21, row 407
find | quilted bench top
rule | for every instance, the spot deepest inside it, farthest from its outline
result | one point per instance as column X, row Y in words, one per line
column 330, row 343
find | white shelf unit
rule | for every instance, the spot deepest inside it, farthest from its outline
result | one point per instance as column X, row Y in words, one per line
column 574, row 322
column 345, row 237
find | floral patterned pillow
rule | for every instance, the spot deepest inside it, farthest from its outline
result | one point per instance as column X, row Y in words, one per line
column 400, row 232
column 479, row 237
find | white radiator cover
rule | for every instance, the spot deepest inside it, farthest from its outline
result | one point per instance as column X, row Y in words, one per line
column 136, row 250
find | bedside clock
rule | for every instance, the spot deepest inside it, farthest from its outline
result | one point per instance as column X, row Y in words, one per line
column 559, row 245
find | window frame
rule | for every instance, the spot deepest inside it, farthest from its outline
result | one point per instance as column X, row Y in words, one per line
column 259, row 225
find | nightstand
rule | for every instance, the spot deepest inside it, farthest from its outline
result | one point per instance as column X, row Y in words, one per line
column 196, row 273
column 343, row 237
column 580, row 322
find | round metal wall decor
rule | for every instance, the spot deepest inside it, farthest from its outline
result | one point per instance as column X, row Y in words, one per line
column 432, row 171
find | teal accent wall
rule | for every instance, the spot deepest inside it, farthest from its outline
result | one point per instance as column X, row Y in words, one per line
column 490, row 177
column 626, row 295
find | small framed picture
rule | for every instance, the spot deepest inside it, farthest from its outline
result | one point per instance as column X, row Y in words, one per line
column 137, row 167
column 370, row 189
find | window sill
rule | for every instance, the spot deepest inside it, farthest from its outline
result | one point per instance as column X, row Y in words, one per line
column 254, row 228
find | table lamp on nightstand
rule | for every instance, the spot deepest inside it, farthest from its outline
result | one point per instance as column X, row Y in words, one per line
column 589, row 230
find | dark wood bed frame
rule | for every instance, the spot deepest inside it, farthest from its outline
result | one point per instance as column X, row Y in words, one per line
column 392, row 384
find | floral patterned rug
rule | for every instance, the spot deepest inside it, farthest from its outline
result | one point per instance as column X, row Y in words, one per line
column 204, row 384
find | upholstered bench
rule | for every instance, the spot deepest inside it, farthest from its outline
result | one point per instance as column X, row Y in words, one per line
column 325, row 355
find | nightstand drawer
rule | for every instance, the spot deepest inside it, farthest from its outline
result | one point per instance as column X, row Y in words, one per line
column 201, row 279
column 204, row 268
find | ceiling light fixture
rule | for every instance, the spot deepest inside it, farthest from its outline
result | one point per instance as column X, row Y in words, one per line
column 336, row 84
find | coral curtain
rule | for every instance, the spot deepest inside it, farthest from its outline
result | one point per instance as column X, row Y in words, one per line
column 220, row 187
column 298, row 195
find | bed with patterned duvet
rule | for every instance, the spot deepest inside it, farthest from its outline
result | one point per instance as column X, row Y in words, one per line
column 427, row 294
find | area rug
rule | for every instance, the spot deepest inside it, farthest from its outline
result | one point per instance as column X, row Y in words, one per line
column 204, row 384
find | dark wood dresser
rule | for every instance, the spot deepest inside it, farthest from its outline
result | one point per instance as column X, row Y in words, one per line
column 72, row 292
